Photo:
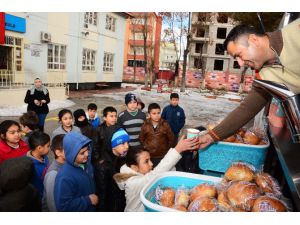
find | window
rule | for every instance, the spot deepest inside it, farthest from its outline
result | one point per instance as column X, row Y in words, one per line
column 198, row 48
column 88, row 59
column 236, row 65
column 138, row 63
column 219, row 49
column 90, row 18
column 110, row 23
column 138, row 50
column 221, row 33
column 200, row 32
column 222, row 18
column 197, row 63
column 56, row 57
column 108, row 62
column 218, row 65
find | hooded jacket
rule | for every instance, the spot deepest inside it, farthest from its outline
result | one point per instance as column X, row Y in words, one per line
column 133, row 182
column 7, row 152
column 73, row 184
column 17, row 194
column 157, row 140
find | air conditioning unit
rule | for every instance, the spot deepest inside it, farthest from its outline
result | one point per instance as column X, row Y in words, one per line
column 45, row 37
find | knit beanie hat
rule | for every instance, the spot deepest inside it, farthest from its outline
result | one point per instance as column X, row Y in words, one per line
column 78, row 113
column 130, row 97
column 119, row 137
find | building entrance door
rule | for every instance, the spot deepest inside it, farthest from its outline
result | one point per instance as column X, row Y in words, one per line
column 6, row 64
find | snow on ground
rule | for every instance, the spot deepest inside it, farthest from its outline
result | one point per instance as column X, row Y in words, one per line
column 18, row 111
column 199, row 110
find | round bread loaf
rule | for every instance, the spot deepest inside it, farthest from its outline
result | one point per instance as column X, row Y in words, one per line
column 242, row 194
column 239, row 171
column 167, row 198
column 203, row 204
column 267, row 184
column 268, row 204
column 203, row 190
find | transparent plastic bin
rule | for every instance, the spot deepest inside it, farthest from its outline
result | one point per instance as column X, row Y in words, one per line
column 173, row 179
column 219, row 156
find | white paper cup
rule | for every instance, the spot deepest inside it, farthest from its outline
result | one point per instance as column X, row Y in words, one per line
column 191, row 133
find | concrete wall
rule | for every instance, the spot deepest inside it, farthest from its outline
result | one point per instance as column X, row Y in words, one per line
column 15, row 97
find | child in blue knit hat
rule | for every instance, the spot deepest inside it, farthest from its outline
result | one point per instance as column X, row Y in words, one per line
column 119, row 143
column 111, row 198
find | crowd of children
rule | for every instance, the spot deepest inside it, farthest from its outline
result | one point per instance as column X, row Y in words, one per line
column 97, row 166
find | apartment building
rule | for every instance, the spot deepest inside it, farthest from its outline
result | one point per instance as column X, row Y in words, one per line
column 209, row 30
column 134, row 59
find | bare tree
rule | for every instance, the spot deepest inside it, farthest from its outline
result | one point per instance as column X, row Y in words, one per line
column 176, row 32
column 134, row 30
column 145, row 35
column 185, row 54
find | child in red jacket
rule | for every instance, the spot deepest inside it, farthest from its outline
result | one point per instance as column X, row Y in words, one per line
column 11, row 145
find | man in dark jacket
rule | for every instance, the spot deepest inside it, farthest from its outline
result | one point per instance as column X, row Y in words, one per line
column 17, row 194
column 174, row 115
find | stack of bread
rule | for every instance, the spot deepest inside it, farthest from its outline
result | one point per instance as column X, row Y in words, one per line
column 251, row 136
column 241, row 190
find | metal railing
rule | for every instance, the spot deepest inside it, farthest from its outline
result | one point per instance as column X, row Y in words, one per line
column 7, row 78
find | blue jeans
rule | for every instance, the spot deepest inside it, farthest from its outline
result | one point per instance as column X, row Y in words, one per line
column 42, row 118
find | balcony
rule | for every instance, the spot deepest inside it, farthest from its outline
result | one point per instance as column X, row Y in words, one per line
column 139, row 42
column 200, row 39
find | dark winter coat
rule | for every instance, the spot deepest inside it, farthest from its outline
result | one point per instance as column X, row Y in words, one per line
column 111, row 198
column 74, row 184
column 17, row 194
column 102, row 149
column 157, row 140
column 38, row 95
column 175, row 116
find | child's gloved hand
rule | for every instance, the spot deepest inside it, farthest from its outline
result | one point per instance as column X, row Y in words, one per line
column 187, row 144
column 94, row 199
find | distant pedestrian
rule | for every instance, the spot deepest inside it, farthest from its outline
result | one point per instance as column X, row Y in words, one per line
column 132, row 119
column 92, row 115
column 37, row 98
column 11, row 145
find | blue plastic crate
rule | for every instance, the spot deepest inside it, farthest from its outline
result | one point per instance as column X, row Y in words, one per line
column 173, row 179
column 219, row 156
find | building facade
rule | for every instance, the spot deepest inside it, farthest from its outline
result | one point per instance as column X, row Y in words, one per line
column 167, row 56
column 134, row 59
column 80, row 48
column 207, row 56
